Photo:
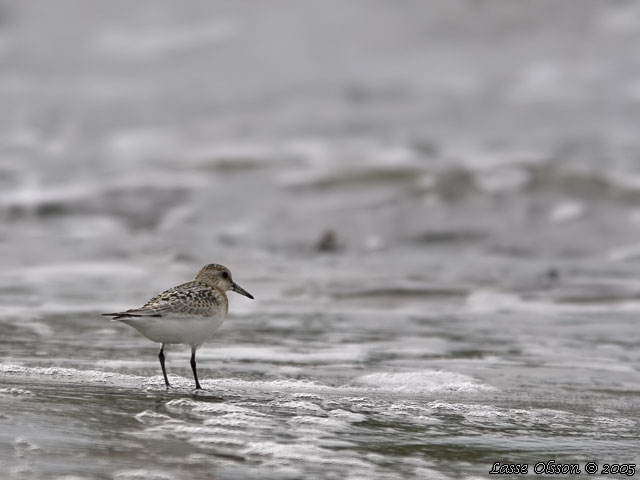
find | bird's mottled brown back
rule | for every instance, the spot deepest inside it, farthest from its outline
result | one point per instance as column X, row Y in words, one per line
column 191, row 298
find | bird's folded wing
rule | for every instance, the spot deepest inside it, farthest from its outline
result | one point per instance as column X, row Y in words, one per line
column 192, row 298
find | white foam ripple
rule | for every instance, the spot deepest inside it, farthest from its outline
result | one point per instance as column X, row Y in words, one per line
column 427, row 381
column 67, row 373
column 306, row 392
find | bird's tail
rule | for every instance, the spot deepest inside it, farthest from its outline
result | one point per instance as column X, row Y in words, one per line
column 119, row 315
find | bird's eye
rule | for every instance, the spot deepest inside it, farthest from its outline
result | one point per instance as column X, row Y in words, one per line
column 225, row 275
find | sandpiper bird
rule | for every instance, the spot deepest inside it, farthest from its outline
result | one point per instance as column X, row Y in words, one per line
column 189, row 313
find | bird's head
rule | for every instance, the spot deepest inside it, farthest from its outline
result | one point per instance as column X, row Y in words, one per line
column 219, row 276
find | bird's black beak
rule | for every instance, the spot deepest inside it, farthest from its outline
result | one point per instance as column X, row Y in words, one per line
column 238, row 289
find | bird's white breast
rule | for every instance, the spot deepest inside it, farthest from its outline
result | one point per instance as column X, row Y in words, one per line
column 186, row 329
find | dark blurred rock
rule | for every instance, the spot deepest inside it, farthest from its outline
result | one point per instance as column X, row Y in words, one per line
column 328, row 242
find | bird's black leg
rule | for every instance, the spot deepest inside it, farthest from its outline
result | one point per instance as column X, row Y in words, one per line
column 164, row 372
column 193, row 367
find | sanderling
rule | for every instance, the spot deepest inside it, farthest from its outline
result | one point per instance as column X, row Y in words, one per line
column 189, row 313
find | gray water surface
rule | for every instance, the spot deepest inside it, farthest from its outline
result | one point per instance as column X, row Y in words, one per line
column 435, row 205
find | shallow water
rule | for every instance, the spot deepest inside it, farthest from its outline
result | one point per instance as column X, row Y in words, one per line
column 437, row 288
